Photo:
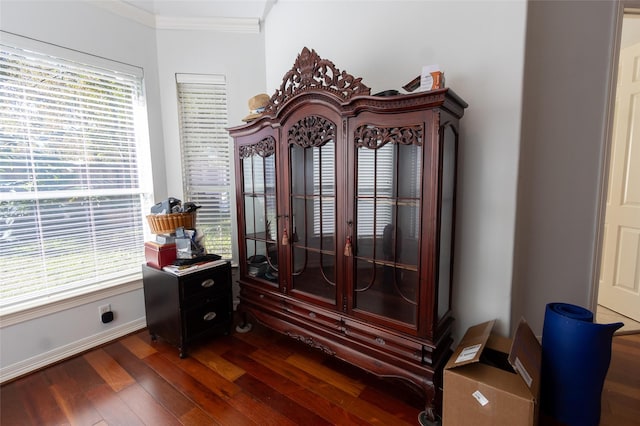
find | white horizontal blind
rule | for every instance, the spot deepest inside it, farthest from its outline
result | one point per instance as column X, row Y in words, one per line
column 376, row 174
column 206, row 157
column 324, row 158
column 71, row 192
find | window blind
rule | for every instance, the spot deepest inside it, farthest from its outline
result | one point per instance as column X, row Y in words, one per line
column 324, row 189
column 206, row 157
column 376, row 174
column 376, row 177
column 72, row 193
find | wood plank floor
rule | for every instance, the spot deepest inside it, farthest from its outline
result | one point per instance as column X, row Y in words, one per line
column 257, row 378
column 621, row 393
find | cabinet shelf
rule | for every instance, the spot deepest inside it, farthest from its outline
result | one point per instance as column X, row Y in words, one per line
column 260, row 194
column 388, row 263
column 260, row 236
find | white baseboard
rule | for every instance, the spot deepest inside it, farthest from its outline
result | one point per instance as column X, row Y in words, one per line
column 18, row 369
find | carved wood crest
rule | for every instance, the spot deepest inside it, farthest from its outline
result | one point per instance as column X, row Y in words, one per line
column 370, row 136
column 263, row 148
column 312, row 72
column 312, row 131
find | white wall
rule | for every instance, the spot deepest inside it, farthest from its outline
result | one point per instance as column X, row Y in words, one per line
column 51, row 337
column 480, row 46
column 240, row 57
column 569, row 56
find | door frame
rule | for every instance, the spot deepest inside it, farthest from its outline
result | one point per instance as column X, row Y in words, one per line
column 624, row 6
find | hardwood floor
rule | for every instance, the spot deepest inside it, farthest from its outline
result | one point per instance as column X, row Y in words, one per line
column 259, row 378
column 621, row 393
column 255, row 378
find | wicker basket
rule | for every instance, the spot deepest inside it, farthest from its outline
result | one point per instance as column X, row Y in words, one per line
column 167, row 223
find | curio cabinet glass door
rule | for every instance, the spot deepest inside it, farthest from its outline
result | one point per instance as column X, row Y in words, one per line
column 258, row 175
column 311, row 141
column 388, row 165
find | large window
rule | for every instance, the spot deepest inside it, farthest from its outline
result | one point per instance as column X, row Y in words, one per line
column 206, row 157
column 73, row 158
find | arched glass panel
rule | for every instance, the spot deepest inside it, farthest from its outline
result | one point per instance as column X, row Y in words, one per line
column 312, row 154
column 388, row 165
column 259, row 194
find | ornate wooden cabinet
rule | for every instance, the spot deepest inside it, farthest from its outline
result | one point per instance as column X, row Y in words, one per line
column 346, row 206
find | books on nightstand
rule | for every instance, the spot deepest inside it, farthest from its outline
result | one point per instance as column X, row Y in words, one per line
column 187, row 269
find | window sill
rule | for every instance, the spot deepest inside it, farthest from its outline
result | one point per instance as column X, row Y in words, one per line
column 18, row 313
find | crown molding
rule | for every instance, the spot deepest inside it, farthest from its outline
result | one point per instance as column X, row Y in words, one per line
column 127, row 11
column 229, row 25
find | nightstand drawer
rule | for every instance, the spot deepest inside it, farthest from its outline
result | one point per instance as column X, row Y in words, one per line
column 201, row 318
column 208, row 281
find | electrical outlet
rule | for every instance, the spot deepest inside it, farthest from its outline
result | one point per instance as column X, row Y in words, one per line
column 103, row 309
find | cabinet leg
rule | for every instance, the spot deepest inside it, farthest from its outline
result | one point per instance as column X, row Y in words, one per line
column 424, row 418
column 428, row 417
column 245, row 326
column 183, row 353
column 154, row 337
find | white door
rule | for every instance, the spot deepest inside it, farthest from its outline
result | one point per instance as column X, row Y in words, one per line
column 619, row 288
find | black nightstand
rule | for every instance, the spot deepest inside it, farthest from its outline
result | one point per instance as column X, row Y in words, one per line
column 181, row 309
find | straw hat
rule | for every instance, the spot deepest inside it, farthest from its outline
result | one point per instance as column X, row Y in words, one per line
column 257, row 104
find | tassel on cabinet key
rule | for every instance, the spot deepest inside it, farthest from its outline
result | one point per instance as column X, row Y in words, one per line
column 285, row 238
column 348, row 249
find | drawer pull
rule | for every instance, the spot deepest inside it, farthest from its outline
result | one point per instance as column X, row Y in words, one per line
column 208, row 283
column 380, row 341
column 209, row 316
column 312, row 314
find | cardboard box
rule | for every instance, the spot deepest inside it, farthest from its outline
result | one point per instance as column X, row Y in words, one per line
column 492, row 380
column 159, row 255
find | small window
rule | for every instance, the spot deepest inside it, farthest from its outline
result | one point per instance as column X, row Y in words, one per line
column 206, row 157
